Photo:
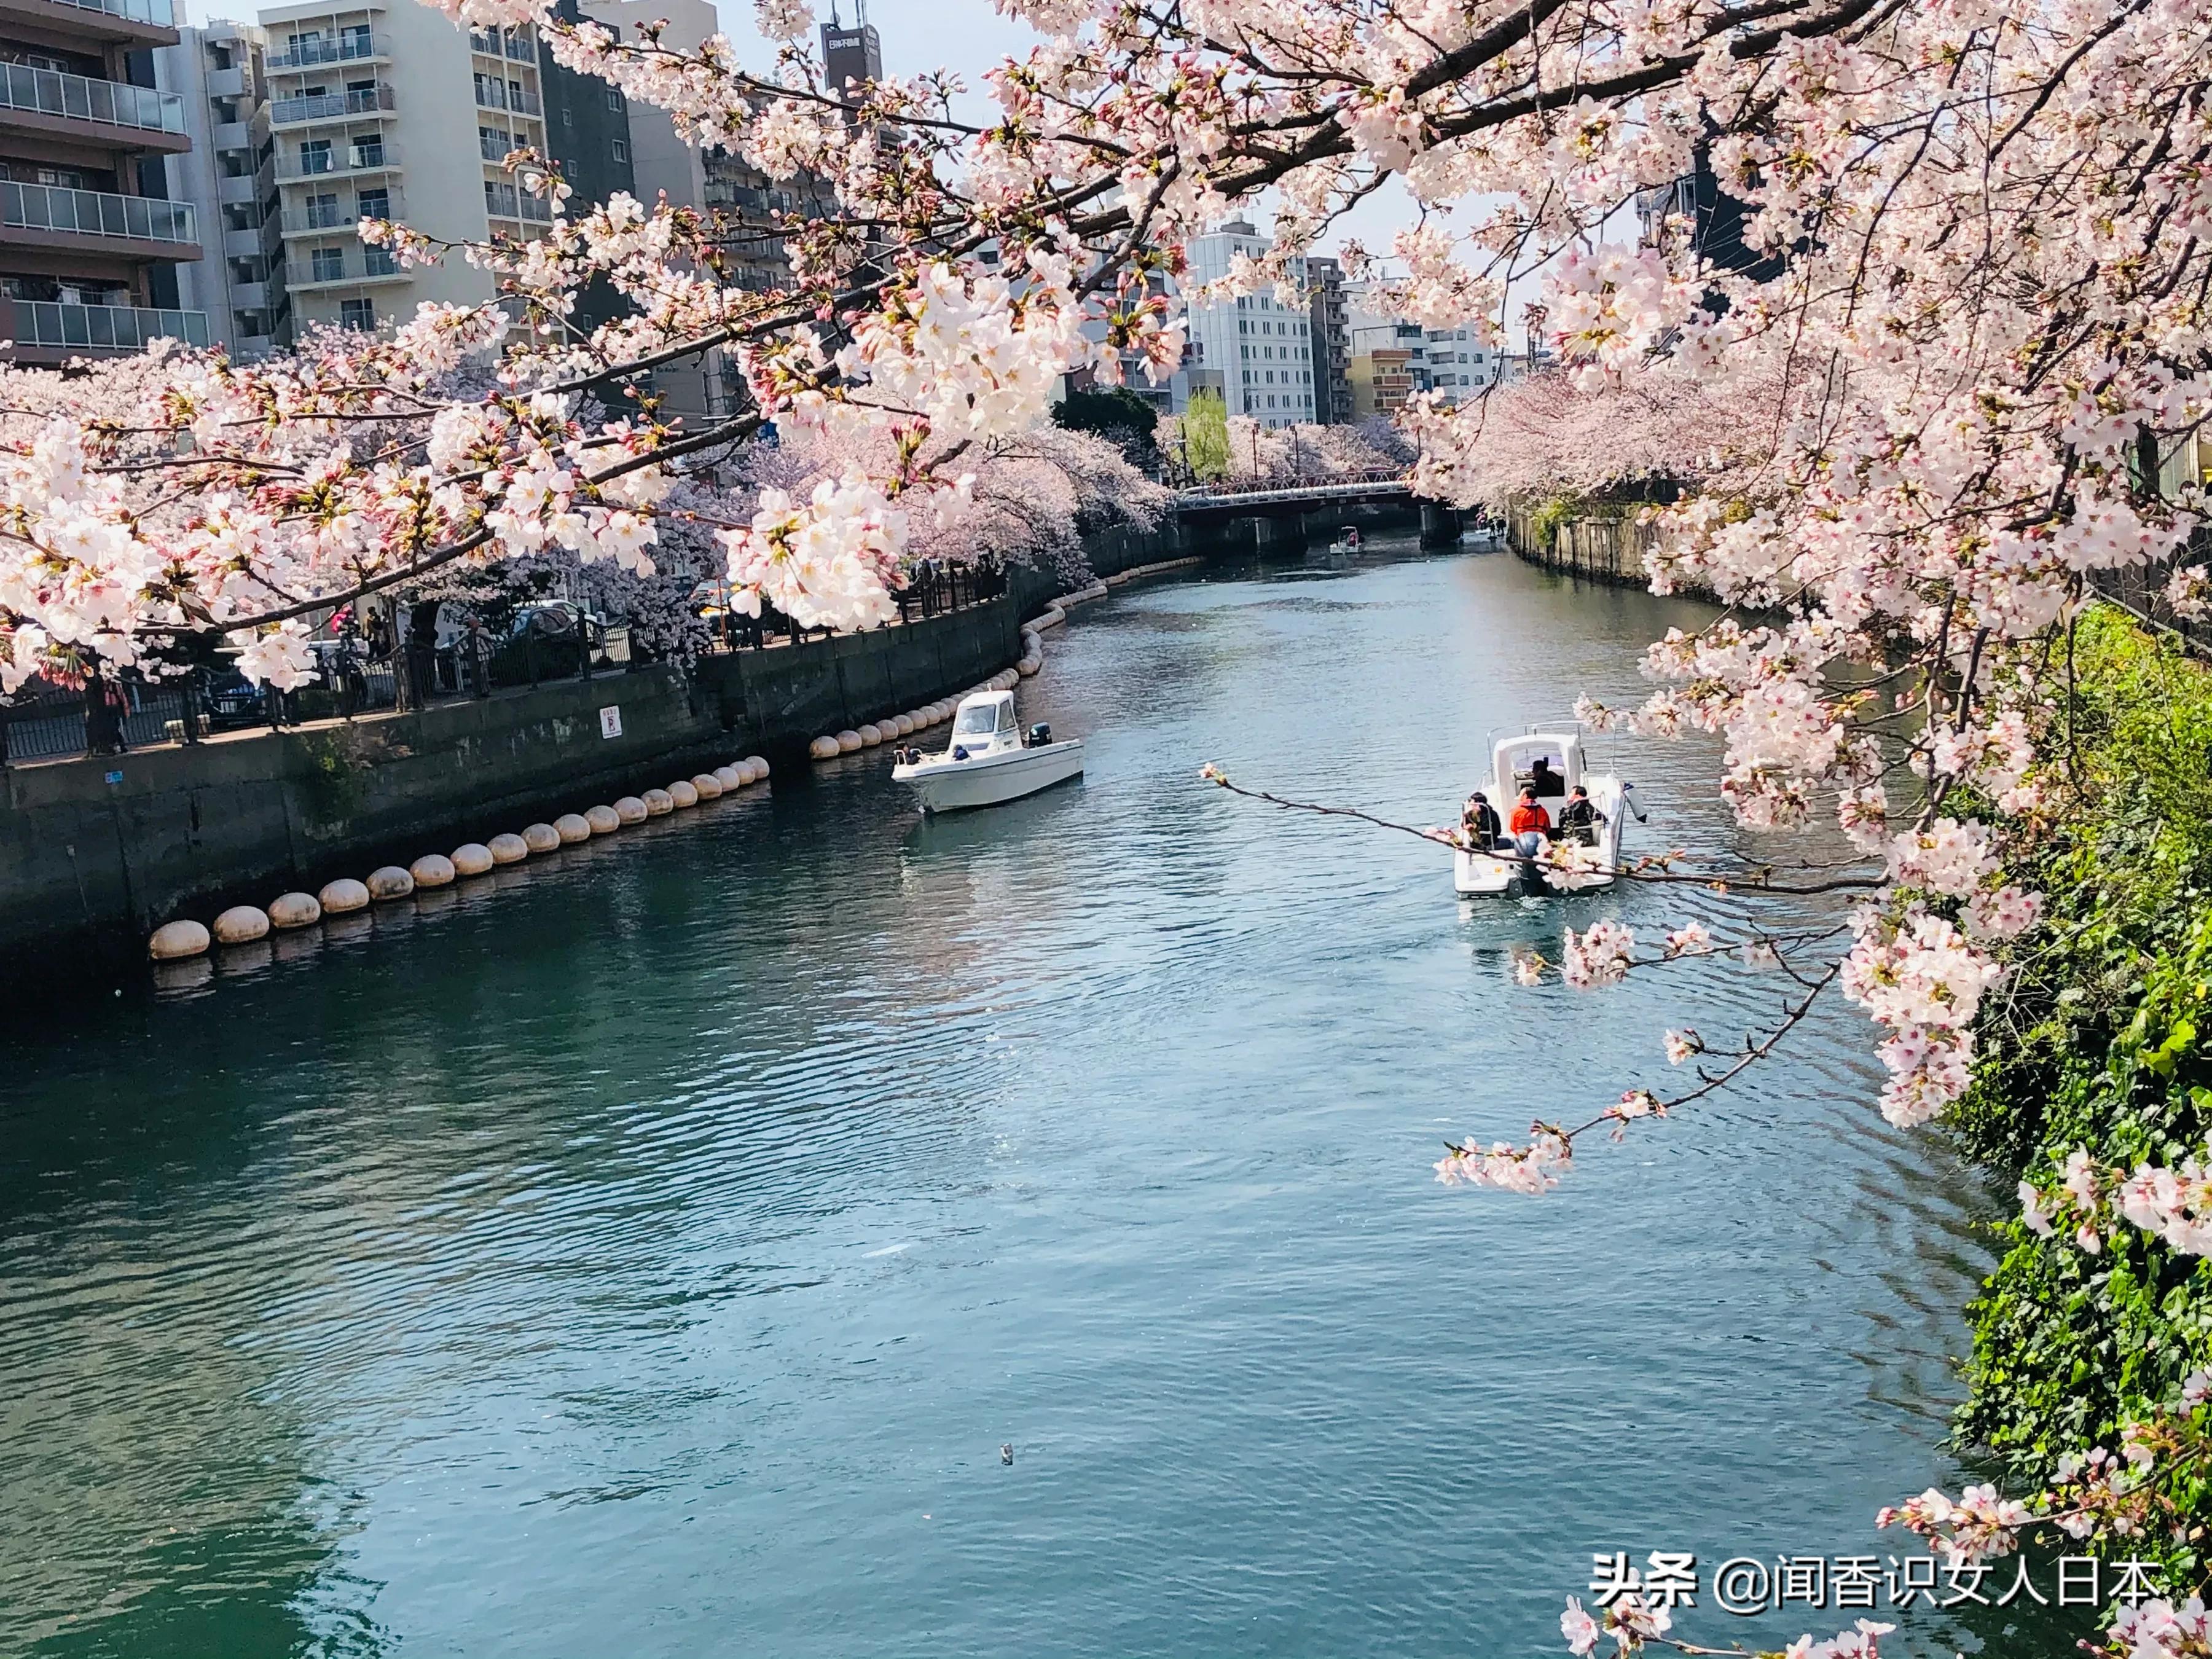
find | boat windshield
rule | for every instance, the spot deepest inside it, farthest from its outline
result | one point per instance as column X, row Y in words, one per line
column 976, row 721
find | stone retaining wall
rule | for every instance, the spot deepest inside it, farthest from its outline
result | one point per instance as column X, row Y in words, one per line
column 96, row 852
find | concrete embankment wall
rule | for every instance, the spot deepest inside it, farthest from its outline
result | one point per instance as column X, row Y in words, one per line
column 95, row 853
column 1609, row 550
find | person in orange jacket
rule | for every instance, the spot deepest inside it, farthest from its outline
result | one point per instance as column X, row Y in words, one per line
column 1530, row 825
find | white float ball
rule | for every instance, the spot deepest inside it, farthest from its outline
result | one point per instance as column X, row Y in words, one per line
column 732, row 777
column 681, row 793
column 390, row 883
column 174, row 940
column 706, row 786
column 432, row 870
column 295, row 910
column 759, row 765
column 848, row 742
column 824, row 749
column 511, row 848
column 604, row 820
column 573, row 827
column 630, row 810
column 472, row 858
column 344, row 897
column 871, row 735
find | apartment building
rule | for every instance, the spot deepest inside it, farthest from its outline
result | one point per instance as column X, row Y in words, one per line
column 1329, row 321
column 90, row 243
column 716, row 182
column 230, row 177
column 1262, row 347
column 390, row 112
column 1381, row 380
column 1459, row 366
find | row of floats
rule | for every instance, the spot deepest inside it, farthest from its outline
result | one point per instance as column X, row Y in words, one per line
column 893, row 727
column 242, row 924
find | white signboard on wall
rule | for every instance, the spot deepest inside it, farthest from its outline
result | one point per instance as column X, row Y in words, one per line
column 610, row 721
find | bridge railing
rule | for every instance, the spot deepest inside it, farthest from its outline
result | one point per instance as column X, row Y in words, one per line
column 1285, row 489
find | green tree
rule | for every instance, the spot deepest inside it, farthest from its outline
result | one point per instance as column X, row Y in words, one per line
column 1206, row 435
column 1119, row 416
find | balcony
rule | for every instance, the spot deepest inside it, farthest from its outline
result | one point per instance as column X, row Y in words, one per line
column 337, row 163
column 354, row 266
column 60, row 98
column 43, row 211
column 143, row 22
column 493, row 94
column 47, row 326
column 226, row 82
column 342, row 49
column 329, row 106
column 249, row 297
column 314, row 220
column 515, row 47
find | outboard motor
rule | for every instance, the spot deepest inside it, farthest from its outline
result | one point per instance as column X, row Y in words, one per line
column 1040, row 735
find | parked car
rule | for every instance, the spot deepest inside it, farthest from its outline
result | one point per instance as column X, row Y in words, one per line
column 229, row 701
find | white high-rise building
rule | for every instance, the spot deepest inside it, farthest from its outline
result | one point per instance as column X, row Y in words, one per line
column 1262, row 349
column 390, row 112
column 1459, row 367
column 228, row 178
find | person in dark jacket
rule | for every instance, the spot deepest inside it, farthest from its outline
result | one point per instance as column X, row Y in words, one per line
column 1480, row 821
column 1580, row 817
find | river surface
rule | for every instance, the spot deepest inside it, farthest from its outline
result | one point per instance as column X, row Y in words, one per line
column 649, row 1254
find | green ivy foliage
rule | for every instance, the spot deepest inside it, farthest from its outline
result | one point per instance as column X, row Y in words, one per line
column 2094, row 1041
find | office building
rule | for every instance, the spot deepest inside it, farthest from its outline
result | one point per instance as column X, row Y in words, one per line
column 717, row 183
column 230, row 177
column 390, row 112
column 587, row 135
column 850, row 57
column 1381, row 380
column 1458, row 365
column 90, row 244
column 1329, row 322
column 1262, row 347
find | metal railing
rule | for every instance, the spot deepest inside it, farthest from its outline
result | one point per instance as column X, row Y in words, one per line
column 1258, row 493
column 158, row 12
column 95, row 213
column 369, row 264
column 101, row 328
column 315, row 218
column 323, row 164
column 495, row 94
column 329, row 106
column 49, row 91
column 515, row 48
column 346, row 49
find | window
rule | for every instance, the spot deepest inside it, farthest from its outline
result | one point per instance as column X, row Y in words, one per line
column 326, row 264
column 354, row 39
column 357, row 313
column 622, row 150
column 491, row 143
column 614, row 98
column 976, row 721
column 315, row 156
column 379, row 262
column 376, row 204
column 568, row 116
column 323, row 212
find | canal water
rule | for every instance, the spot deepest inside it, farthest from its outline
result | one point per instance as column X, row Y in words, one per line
column 650, row 1254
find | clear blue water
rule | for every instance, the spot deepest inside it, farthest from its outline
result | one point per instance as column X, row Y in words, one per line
column 649, row 1253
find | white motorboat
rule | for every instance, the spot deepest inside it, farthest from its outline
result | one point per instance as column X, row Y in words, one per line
column 989, row 759
column 1554, row 762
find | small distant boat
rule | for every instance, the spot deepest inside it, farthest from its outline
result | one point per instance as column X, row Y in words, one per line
column 1347, row 540
column 1480, row 873
column 989, row 759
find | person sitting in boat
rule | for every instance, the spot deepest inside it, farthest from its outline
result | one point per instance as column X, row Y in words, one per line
column 1580, row 817
column 1531, row 824
column 1543, row 780
column 1480, row 820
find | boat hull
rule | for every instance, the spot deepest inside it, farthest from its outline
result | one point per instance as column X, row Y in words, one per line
column 963, row 786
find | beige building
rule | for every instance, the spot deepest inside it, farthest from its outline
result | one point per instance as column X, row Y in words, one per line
column 390, row 111
column 1381, row 380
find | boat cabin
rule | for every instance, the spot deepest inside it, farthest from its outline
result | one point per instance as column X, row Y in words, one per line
column 1552, row 761
column 984, row 725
